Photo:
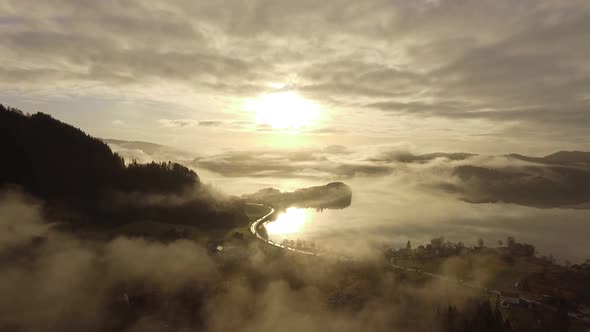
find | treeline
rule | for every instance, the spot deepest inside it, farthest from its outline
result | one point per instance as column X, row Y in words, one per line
column 334, row 195
column 164, row 177
column 476, row 316
column 76, row 172
column 441, row 247
column 55, row 160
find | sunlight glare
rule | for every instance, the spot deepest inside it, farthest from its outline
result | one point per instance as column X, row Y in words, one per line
column 284, row 110
column 288, row 222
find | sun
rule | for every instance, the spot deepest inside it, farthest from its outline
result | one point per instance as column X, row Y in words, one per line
column 284, row 110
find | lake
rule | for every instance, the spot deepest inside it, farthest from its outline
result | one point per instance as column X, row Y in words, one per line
column 393, row 210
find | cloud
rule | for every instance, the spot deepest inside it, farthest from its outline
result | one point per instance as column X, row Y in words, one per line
column 12, row 208
column 144, row 152
column 293, row 164
column 556, row 180
column 210, row 123
column 53, row 280
column 180, row 123
column 400, row 195
column 413, row 202
column 559, row 180
column 177, row 123
column 484, row 66
column 67, row 281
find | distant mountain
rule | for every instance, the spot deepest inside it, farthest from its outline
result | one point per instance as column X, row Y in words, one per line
column 450, row 156
column 146, row 151
column 570, row 158
column 539, row 186
column 407, row 157
column 136, row 145
column 561, row 179
column 76, row 172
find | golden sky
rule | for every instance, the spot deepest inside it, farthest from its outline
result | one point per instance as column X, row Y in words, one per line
column 446, row 75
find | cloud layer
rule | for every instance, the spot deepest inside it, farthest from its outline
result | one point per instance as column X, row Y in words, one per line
column 401, row 195
column 54, row 280
column 505, row 69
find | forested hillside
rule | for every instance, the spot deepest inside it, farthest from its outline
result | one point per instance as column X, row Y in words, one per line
column 78, row 173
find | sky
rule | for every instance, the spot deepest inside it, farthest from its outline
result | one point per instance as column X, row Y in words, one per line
column 483, row 76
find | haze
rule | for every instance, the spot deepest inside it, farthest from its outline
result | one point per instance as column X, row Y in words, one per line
column 295, row 165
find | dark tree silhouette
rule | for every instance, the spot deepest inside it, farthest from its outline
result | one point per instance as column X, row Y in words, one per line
column 163, row 177
column 510, row 241
column 76, row 172
column 476, row 316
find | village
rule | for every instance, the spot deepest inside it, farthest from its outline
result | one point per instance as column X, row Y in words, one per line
column 532, row 293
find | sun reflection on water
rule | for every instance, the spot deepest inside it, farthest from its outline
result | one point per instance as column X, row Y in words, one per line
column 289, row 222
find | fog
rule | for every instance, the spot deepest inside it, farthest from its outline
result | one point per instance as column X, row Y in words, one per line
column 384, row 211
column 400, row 195
column 337, row 165
column 53, row 280
column 50, row 277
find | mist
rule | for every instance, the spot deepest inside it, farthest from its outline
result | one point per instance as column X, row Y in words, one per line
column 54, row 280
column 336, row 165
column 401, row 194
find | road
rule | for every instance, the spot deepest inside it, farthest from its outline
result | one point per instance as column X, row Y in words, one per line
column 254, row 230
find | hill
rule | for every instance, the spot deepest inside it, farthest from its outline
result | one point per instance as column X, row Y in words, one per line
column 569, row 158
column 77, row 173
column 542, row 186
column 335, row 195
